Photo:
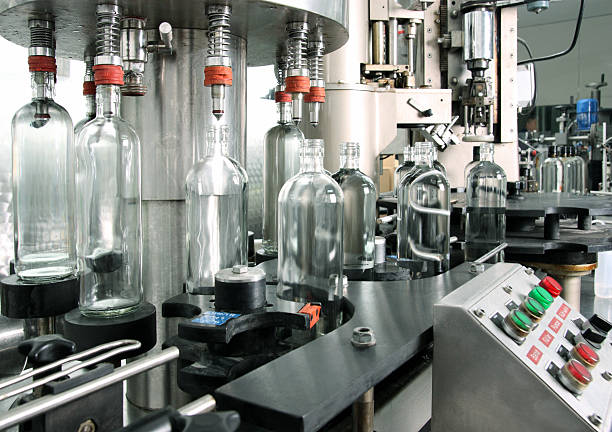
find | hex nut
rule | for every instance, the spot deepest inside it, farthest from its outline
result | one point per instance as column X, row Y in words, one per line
column 363, row 337
column 607, row 375
column 479, row 312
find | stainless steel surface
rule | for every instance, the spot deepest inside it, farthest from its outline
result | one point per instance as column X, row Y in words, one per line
column 33, row 327
column 378, row 42
column 392, row 45
column 438, row 100
column 199, row 406
column 240, row 273
column 508, row 98
column 363, row 412
column 478, row 35
column 261, row 21
column 126, row 345
column 571, row 288
column 11, row 333
column 508, row 382
column 483, row 259
column 46, row 403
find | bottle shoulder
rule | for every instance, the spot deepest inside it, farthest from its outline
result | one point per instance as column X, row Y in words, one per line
column 286, row 133
column 107, row 129
column 57, row 115
column 436, row 178
column 487, row 169
column 317, row 184
column 347, row 178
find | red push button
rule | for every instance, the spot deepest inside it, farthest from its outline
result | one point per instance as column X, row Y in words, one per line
column 575, row 376
column 585, row 355
column 551, row 285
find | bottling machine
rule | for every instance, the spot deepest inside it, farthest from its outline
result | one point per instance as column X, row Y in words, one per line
column 378, row 72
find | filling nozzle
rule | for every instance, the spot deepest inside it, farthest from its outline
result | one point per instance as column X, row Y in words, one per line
column 297, row 111
column 217, row 92
column 218, row 70
column 315, row 108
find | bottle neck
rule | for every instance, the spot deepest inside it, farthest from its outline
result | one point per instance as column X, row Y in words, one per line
column 108, row 100
column 349, row 160
column 43, row 85
column 284, row 112
column 486, row 152
column 311, row 160
column 90, row 106
column 215, row 148
column 424, row 159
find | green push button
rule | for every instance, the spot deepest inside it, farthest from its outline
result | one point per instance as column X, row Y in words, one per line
column 542, row 296
column 534, row 307
column 521, row 320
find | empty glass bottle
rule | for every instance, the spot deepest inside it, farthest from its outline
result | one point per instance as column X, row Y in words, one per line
column 359, row 209
column 403, row 169
column 569, row 170
column 281, row 162
column 423, row 220
column 551, row 172
column 580, row 185
column 436, row 163
column 310, row 249
column 109, row 238
column 216, row 201
column 472, row 164
column 485, row 195
column 43, row 185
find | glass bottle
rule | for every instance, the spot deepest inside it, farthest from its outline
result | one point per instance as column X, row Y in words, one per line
column 404, row 168
column 569, row 170
column 216, row 201
column 485, row 226
column 423, row 220
column 472, row 164
column 580, row 167
column 310, row 216
column 359, row 209
column 436, row 163
column 551, row 172
column 281, row 162
column 89, row 94
column 109, row 237
column 43, row 186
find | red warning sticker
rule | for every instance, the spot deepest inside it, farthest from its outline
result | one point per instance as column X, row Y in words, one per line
column 564, row 311
column 555, row 325
column 546, row 338
column 534, row 355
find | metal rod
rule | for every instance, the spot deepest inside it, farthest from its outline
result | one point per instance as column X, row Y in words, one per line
column 491, row 253
column 52, row 377
column 46, row 403
column 378, row 42
column 202, row 405
column 363, row 412
column 604, row 159
column 393, row 41
column 13, row 380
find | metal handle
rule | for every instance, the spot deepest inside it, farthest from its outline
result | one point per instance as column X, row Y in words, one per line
column 491, row 253
column 202, row 405
column 165, row 34
column 47, row 403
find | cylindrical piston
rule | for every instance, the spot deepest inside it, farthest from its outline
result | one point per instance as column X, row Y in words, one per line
column 240, row 289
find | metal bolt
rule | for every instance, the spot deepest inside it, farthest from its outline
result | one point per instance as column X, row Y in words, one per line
column 607, row 375
column 454, row 13
column 479, row 312
column 528, row 271
column 454, row 80
column 429, row 30
column 595, row 419
column 87, row 426
column 240, row 269
column 508, row 289
column 363, row 337
column 476, row 268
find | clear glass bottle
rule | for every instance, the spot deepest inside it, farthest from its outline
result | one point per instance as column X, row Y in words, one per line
column 404, row 168
column 551, row 172
column 436, row 163
column 472, row 164
column 485, row 196
column 216, row 202
column 423, row 220
column 43, row 186
column 580, row 167
column 109, row 237
column 310, row 230
column 359, row 209
column 569, row 170
column 281, row 162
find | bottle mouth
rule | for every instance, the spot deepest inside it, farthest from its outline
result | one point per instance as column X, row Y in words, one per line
column 349, row 149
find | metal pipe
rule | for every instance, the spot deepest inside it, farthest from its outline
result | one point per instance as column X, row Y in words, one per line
column 604, row 159
column 363, row 412
column 392, row 41
column 134, row 344
column 202, row 405
column 483, row 259
column 578, row 138
column 46, row 403
column 571, row 288
column 378, row 42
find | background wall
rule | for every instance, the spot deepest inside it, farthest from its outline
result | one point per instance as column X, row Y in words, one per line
column 551, row 31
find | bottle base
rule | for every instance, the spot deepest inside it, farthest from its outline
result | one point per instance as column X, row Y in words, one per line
column 43, row 274
column 110, row 308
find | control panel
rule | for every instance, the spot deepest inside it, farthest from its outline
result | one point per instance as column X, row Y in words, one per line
column 510, row 353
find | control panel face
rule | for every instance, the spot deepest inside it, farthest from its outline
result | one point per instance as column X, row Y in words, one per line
column 570, row 354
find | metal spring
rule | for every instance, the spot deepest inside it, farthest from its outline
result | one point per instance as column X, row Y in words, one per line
column 315, row 60
column 298, row 46
column 42, row 37
column 108, row 30
column 219, row 31
column 282, row 64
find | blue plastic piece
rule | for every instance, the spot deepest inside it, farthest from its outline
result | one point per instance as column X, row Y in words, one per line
column 586, row 113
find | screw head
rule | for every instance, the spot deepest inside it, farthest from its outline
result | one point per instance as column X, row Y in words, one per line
column 479, row 312
column 528, row 271
column 595, row 419
column 607, row 375
column 508, row 289
column 240, row 269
